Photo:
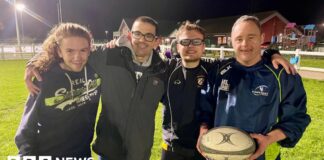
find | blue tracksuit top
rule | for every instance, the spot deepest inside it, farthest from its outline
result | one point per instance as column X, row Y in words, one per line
column 256, row 99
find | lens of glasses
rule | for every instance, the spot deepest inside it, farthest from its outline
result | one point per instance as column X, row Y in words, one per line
column 148, row 36
column 196, row 42
column 187, row 42
column 137, row 34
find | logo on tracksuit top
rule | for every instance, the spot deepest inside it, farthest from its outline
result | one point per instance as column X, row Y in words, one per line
column 200, row 81
column 222, row 72
column 224, row 85
column 261, row 90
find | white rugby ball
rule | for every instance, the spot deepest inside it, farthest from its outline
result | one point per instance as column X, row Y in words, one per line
column 227, row 143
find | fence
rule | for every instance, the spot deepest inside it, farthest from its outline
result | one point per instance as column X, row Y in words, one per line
column 26, row 51
column 8, row 52
column 229, row 52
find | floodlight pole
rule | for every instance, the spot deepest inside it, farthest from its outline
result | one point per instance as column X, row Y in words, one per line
column 22, row 27
column 59, row 11
column 17, row 27
column 106, row 32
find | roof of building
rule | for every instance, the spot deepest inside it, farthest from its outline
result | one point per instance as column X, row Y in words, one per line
column 309, row 27
column 219, row 26
column 223, row 25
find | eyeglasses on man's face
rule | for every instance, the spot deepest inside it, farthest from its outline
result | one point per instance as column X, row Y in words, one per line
column 148, row 36
column 187, row 42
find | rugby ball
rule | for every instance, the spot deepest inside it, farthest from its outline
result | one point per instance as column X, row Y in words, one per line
column 227, row 143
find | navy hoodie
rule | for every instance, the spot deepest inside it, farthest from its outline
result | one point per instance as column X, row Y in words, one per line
column 60, row 120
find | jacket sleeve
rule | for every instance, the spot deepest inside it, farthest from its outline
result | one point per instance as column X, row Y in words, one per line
column 293, row 118
column 207, row 102
column 98, row 58
column 27, row 131
column 208, row 63
column 268, row 53
column 34, row 58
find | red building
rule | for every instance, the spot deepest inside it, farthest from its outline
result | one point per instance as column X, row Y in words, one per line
column 219, row 29
column 274, row 24
column 276, row 28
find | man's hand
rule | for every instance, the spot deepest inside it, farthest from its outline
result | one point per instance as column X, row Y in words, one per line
column 30, row 73
column 279, row 60
column 203, row 130
column 111, row 44
column 263, row 142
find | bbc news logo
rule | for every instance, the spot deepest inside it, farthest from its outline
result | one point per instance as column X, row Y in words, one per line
column 44, row 158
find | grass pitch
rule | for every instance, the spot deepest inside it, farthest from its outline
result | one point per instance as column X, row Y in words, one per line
column 13, row 95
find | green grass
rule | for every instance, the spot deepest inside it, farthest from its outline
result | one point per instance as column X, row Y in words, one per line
column 310, row 61
column 13, row 95
column 310, row 147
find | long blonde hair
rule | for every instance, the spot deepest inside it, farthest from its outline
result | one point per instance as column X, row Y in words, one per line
column 53, row 41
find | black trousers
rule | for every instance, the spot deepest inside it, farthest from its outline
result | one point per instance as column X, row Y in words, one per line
column 186, row 154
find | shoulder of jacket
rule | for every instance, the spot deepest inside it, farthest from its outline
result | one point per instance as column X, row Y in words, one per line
column 225, row 62
column 123, row 48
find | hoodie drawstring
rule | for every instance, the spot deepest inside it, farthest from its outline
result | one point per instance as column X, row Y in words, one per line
column 86, row 82
column 71, row 85
column 86, row 79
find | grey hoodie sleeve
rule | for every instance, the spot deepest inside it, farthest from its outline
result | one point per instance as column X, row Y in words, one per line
column 26, row 133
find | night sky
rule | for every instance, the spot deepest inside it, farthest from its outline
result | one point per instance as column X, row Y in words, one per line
column 101, row 15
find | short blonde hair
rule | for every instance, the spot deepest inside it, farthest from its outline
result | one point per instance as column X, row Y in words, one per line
column 189, row 26
column 247, row 18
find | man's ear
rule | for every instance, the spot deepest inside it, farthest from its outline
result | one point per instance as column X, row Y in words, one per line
column 262, row 38
column 177, row 47
column 129, row 36
column 204, row 47
column 158, row 42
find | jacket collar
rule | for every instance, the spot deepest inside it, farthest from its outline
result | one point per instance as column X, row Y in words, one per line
column 124, row 41
column 157, row 65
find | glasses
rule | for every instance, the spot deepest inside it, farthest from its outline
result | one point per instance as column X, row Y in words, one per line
column 148, row 36
column 195, row 42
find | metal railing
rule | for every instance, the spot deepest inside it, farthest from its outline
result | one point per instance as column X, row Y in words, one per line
column 9, row 52
column 222, row 52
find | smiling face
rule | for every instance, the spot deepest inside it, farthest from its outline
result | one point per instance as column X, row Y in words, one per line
column 74, row 51
column 192, row 52
column 246, row 40
column 141, row 46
